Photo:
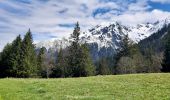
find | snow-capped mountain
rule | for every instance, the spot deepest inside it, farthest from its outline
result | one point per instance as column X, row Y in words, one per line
column 104, row 39
column 54, row 44
column 109, row 34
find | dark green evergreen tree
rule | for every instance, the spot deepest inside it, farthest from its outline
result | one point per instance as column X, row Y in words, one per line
column 60, row 69
column 74, row 51
column 126, row 44
column 29, row 60
column 78, row 59
column 166, row 59
column 41, row 61
column 4, row 61
column 10, row 58
column 15, row 57
column 86, row 65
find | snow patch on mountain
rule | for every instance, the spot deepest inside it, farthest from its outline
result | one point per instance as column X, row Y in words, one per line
column 54, row 44
column 110, row 34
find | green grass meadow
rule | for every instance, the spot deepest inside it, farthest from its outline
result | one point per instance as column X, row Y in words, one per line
column 111, row 87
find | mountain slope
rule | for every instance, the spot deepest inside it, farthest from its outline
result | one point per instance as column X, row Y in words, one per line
column 105, row 39
column 156, row 41
column 110, row 34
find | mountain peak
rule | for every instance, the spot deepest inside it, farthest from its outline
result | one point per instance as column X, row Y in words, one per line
column 109, row 34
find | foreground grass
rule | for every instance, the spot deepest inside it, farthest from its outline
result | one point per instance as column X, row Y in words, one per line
column 119, row 87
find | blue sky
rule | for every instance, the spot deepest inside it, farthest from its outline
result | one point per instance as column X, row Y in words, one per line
column 51, row 19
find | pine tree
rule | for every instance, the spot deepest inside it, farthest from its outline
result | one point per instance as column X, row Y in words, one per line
column 86, row 65
column 74, row 50
column 10, row 58
column 18, row 59
column 15, row 57
column 4, row 61
column 78, row 59
column 166, row 59
column 41, row 61
column 60, row 69
column 29, row 60
column 126, row 44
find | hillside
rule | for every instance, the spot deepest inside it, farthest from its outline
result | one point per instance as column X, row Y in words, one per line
column 156, row 41
column 121, row 87
column 104, row 40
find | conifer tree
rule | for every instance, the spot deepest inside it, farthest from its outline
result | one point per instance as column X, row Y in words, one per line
column 86, row 65
column 10, row 58
column 166, row 59
column 29, row 61
column 60, row 69
column 78, row 58
column 41, row 61
column 15, row 57
column 4, row 61
column 126, row 44
column 74, row 50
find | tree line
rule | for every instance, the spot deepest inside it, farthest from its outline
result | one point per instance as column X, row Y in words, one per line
column 20, row 59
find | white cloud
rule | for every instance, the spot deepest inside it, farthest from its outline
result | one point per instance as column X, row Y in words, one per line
column 44, row 18
column 140, row 5
column 142, row 17
column 161, row 1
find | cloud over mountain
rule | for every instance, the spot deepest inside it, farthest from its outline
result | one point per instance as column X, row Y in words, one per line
column 55, row 18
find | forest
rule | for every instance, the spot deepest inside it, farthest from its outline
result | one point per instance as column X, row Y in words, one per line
column 21, row 59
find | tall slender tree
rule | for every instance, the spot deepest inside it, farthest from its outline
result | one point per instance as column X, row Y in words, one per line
column 41, row 61
column 29, row 61
column 4, row 61
column 86, row 65
column 166, row 59
column 126, row 45
column 78, row 58
column 74, row 50
column 10, row 58
column 15, row 57
column 60, row 69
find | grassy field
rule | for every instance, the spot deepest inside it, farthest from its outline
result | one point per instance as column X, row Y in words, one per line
column 118, row 87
